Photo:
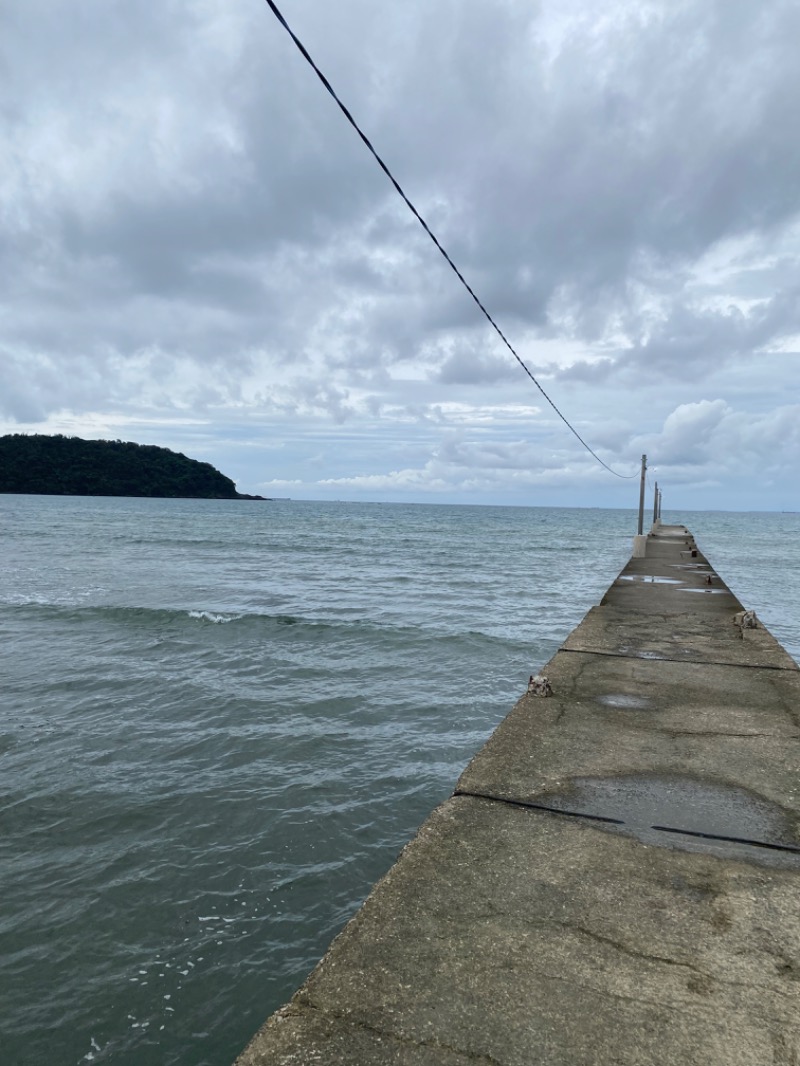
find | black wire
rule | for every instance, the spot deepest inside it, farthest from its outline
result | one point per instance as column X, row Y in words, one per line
column 301, row 47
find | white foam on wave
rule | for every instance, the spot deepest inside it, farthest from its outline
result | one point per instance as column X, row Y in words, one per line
column 218, row 619
column 23, row 599
column 89, row 1056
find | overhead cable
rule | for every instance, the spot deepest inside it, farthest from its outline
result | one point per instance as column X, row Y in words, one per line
column 304, row 51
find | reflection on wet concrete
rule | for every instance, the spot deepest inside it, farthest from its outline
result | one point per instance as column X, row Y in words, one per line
column 650, row 579
column 674, row 810
column 715, row 591
column 634, row 703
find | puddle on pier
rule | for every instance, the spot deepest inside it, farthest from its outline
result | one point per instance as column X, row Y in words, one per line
column 628, row 703
column 637, row 653
column 705, row 588
column 650, row 579
column 674, row 810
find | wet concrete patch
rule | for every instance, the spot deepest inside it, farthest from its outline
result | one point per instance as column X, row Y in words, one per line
column 716, row 592
column 675, row 810
column 650, row 579
column 627, row 703
column 688, row 628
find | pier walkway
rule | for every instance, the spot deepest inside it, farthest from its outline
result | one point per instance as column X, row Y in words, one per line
column 616, row 879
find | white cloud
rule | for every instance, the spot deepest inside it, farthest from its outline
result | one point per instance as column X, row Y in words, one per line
column 711, row 441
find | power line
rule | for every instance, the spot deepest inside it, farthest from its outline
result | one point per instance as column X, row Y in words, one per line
column 304, row 52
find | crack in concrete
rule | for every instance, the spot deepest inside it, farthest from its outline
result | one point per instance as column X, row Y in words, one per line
column 648, row 957
column 627, row 828
column 684, row 1006
column 720, row 733
column 632, row 952
column 689, row 1006
column 785, row 972
column 655, row 657
column 398, row 1038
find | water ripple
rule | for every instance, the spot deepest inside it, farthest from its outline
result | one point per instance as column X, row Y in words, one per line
column 220, row 726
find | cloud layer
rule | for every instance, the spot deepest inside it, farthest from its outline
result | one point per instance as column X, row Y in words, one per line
column 197, row 251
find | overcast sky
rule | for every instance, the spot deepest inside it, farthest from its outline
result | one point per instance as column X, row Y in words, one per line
column 198, row 252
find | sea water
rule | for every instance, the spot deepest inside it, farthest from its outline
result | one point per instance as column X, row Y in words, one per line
column 221, row 721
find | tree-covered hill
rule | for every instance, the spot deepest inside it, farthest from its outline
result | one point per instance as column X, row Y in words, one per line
column 69, row 466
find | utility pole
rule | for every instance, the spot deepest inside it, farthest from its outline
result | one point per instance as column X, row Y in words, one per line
column 655, row 505
column 640, row 540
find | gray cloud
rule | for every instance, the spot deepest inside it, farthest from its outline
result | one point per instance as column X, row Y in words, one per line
column 188, row 226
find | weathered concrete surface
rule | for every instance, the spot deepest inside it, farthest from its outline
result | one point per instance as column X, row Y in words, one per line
column 520, row 928
column 614, row 716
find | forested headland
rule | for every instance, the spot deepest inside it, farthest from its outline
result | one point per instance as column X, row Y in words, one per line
column 69, row 466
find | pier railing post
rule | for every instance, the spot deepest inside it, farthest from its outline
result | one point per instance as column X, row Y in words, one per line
column 641, row 496
column 640, row 540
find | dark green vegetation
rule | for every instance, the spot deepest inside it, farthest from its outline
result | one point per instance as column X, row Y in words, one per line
column 69, row 466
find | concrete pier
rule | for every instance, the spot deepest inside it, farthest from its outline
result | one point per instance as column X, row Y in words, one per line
column 616, row 879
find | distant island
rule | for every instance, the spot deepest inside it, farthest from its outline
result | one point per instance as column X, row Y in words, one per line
column 68, row 466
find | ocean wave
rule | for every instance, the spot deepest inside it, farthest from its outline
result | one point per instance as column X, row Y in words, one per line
column 157, row 617
column 217, row 619
column 445, row 632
